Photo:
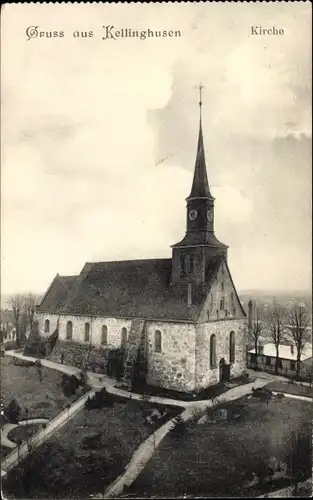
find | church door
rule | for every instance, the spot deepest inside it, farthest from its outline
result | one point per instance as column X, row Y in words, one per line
column 224, row 370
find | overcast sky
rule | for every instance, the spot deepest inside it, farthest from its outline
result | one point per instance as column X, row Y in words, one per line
column 86, row 123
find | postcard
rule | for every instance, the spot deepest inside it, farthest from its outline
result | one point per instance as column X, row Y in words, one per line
column 156, row 301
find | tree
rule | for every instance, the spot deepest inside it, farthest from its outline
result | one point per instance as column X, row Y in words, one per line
column 298, row 320
column 17, row 302
column 12, row 412
column 30, row 305
column 276, row 325
column 256, row 330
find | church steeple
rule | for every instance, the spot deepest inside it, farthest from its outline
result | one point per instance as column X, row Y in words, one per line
column 200, row 186
column 191, row 255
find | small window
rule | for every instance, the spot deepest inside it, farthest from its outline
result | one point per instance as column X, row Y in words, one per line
column 87, row 332
column 47, row 326
column 211, row 300
column 268, row 361
column 157, row 341
column 232, row 296
column 234, row 311
column 222, row 286
column 69, row 330
column 226, row 312
column 123, row 336
column 104, row 335
column 208, row 315
column 292, row 365
column 217, row 313
column 213, row 351
column 232, row 347
column 222, row 304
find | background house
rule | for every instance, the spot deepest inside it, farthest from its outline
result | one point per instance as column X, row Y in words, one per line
column 265, row 359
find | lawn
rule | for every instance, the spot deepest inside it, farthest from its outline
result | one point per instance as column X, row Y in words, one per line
column 289, row 388
column 86, row 455
column 37, row 399
column 219, row 459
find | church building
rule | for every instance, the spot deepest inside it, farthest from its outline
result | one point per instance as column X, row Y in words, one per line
column 182, row 315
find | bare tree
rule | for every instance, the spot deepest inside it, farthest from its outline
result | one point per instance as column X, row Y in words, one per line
column 298, row 320
column 30, row 304
column 256, row 330
column 277, row 330
column 16, row 302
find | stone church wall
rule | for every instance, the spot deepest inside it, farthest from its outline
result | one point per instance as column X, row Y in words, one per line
column 206, row 376
column 222, row 288
column 41, row 318
column 174, row 367
column 114, row 328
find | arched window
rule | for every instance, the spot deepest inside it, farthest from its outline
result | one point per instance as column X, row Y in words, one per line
column 232, row 347
column 87, row 332
column 213, row 351
column 47, row 326
column 222, row 286
column 234, row 311
column 232, row 297
column 157, row 341
column 104, row 335
column 69, row 330
column 123, row 336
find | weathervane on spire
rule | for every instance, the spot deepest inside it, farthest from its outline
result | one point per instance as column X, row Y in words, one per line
column 200, row 87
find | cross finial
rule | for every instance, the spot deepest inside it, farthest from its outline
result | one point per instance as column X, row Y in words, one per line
column 200, row 87
column 200, row 91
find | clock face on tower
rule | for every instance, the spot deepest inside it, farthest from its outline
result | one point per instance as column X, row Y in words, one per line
column 209, row 215
column 193, row 214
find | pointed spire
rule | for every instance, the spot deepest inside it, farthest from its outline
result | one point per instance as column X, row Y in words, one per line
column 200, row 186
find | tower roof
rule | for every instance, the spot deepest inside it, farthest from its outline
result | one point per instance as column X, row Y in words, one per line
column 200, row 186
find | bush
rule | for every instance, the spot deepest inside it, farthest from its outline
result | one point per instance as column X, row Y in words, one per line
column 69, row 385
column 101, row 399
column 12, row 411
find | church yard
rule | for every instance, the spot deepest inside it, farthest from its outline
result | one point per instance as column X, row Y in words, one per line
column 247, row 453
column 89, row 452
column 37, row 389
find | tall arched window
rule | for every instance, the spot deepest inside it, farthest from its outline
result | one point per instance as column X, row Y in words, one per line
column 157, row 341
column 47, row 326
column 232, row 347
column 222, row 303
column 104, row 335
column 69, row 330
column 123, row 336
column 87, row 332
column 213, row 351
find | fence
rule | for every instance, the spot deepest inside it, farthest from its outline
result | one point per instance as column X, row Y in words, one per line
column 282, row 370
column 26, row 448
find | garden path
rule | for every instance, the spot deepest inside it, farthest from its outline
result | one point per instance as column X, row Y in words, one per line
column 5, row 441
column 62, row 418
column 145, row 451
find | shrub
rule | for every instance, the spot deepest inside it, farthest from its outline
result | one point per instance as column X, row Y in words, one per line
column 69, row 385
column 12, row 411
column 99, row 400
